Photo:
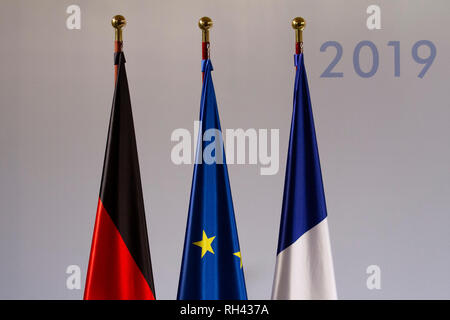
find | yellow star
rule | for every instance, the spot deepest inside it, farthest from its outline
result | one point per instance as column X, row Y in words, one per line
column 238, row 254
column 205, row 244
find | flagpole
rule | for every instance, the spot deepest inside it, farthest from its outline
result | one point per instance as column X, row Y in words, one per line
column 298, row 24
column 118, row 22
column 205, row 23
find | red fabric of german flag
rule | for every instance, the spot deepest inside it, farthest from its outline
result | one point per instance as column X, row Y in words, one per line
column 120, row 265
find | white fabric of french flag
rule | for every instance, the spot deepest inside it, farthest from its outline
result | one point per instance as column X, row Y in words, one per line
column 304, row 270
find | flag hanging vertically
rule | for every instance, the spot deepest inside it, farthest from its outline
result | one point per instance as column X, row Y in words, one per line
column 119, row 265
column 212, row 267
column 304, row 266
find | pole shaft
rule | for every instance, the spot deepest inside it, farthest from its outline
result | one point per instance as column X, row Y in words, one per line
column 205, row 23
column 118, row 22
column 298, row 24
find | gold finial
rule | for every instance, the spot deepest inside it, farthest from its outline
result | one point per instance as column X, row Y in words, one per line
column 205, row 24
column 118, row 22
column 299, row 25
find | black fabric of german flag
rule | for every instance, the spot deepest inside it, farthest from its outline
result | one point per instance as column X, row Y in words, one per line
column 120, row 265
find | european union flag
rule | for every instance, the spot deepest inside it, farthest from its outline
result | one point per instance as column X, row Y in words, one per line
column 212, row 266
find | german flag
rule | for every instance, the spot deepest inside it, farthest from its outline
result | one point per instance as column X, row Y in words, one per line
column 119, row 264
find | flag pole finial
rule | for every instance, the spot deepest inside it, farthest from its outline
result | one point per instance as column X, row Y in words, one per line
column 205, row 23
column 118, row 22
column 298, row 24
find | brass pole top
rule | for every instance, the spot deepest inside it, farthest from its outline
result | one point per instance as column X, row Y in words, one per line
column 205, row 23
column 298, row 23
column 118, row 22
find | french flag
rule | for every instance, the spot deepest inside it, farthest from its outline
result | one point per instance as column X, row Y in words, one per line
column 304, row 266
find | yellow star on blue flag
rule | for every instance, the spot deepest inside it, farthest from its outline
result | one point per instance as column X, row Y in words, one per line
column 205, row 244
column 238, row 254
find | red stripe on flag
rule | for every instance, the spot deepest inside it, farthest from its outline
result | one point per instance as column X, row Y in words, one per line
column 112, row 273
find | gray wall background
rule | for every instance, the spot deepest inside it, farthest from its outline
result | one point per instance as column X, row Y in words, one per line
column 384, row 141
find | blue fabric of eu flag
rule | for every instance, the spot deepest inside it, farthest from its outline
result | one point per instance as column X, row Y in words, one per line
column 212, row 263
